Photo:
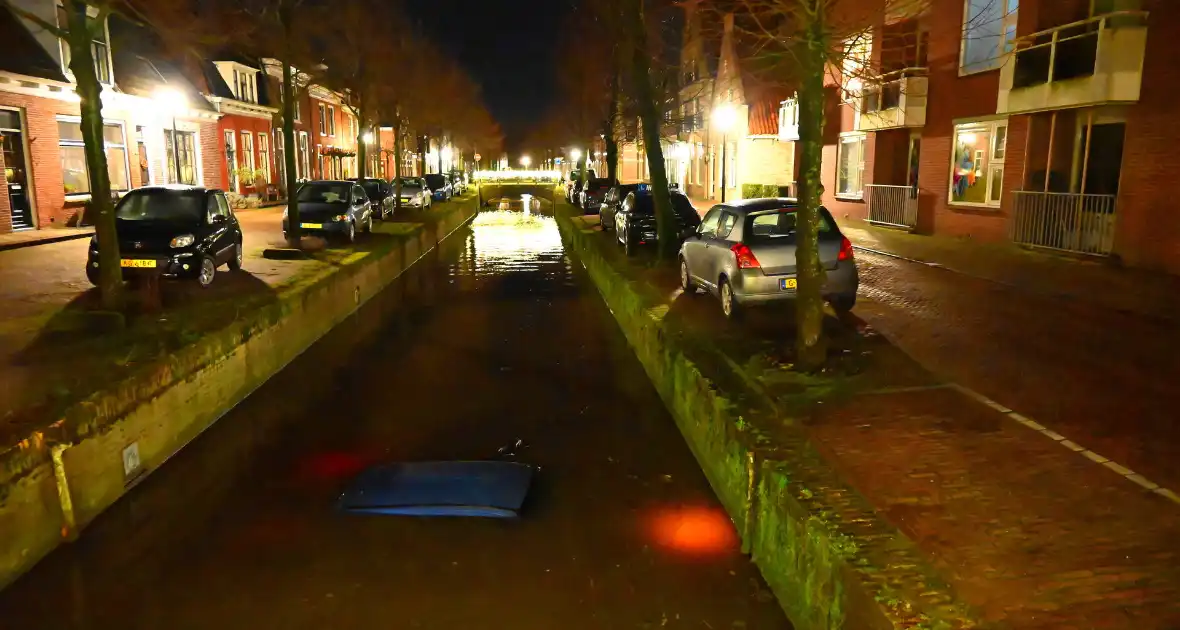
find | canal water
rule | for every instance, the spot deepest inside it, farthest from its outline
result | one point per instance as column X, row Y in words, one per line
column 495, row 339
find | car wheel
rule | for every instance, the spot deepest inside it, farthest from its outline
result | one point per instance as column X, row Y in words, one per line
column 350, row 235
column 628, row 245
column 206, row 273
column 843, row 303
column 369, row 224
column 92, row 275
column 235, row 263
column 602, row 222
column 729, row 304
column 686, row 282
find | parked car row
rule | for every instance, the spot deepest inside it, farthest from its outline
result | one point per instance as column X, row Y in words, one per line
column 187, row 232
column 743, row 252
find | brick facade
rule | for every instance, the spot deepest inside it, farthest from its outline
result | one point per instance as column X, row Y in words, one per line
column 238, row 125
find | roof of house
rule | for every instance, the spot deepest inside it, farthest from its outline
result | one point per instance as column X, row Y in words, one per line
column 22, row 54
column 142, row 67
column 218, row 87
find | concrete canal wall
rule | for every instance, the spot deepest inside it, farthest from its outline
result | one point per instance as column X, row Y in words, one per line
column 57, row 480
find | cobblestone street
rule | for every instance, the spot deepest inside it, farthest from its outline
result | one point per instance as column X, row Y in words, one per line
column 1104, row 379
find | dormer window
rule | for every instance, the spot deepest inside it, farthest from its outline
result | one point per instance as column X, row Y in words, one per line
column 241, row 79
column 99, row 48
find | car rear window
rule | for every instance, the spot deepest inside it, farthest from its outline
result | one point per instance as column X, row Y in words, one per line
column 779, row 223
column 435, row 180
column 162, row 205
column 372, row 189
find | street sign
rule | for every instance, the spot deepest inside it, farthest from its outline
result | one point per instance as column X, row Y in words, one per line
column 477, row 157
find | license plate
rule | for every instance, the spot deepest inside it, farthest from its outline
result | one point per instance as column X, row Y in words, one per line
column 311, row 226
column 138, row 263
column 788, row 283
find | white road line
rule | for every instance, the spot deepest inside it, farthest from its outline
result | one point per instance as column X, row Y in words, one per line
column 1118, row 468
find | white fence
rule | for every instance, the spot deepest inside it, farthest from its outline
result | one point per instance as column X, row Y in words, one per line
column 892, row 205
column 1070, row 222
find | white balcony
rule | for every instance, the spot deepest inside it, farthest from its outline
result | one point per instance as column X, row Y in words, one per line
column 898, row 101
column 1096, row 61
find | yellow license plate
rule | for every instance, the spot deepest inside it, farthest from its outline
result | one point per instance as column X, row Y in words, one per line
column 789, row 283
column 138, row 263
column 311, row 226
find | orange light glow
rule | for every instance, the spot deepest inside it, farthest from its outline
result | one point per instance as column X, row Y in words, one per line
column 695, row 530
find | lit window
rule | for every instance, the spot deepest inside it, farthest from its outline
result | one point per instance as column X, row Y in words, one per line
column 977, row 173
column 989, row 29
column 75, row 173
column 264, row 154
column 850, row 166
column 331, row 121
column 323, row 120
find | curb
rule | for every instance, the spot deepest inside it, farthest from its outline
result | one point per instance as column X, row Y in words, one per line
column 45, row 241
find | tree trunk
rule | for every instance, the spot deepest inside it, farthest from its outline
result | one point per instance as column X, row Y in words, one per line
column 810, row 347
column 289, row 92
column 612, row 119
column 101, row 211
column 666, row 232
column 382, row 172
column 397, row 161
column 361, row 150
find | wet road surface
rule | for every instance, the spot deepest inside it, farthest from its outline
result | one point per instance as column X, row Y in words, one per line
column 496, row 340
column 1103, row 378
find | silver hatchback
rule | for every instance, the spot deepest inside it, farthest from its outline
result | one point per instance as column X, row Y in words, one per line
column 744, row 253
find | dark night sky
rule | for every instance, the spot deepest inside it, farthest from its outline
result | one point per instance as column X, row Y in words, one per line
column 508, row 48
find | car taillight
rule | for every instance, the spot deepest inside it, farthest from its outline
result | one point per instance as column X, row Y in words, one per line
column 845, row 250
column 745, row 257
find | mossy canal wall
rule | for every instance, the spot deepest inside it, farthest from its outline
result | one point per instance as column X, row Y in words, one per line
column 58, row 480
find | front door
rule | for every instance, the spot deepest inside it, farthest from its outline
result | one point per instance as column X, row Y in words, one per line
column 16, row 170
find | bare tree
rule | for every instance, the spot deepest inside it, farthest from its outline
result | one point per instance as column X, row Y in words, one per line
column 801, row 43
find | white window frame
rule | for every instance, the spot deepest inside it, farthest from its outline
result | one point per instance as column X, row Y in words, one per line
column 849, row 138
column 331, row 121
column 1008, row 22
column 323, row 109
column 79, row 143
column 304, row 156
column 64, row 48
column 995, row 160
column 264, row 156
column 788, row 115
column 248, row 150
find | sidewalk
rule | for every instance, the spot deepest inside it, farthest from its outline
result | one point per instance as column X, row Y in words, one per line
column 29, row 238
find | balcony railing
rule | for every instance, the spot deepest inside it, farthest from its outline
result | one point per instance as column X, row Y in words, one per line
column 1090, row 62
column 896, row 206
column 1070, row 222
column 897, row 100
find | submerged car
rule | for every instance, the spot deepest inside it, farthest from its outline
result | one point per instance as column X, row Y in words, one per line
column 414, row 192
column 332, row 209
column 635, row 222
column 440, row 186
column 173, row 232
column 744, row 253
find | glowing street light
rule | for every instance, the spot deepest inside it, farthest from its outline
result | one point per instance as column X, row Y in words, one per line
column 525, row 161
column 576, row 155
column 724, row 117
column 174, row 102
column 368, row 138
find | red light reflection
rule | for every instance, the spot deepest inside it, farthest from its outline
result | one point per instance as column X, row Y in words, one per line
column 334, row 466
column 695, row 530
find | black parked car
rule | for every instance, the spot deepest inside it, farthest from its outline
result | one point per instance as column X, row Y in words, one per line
column 611, row 201
column 573, row 185
column 173, row 232
column 440, row 186
column 380, row 194
column 635, row 221
column 333, row 208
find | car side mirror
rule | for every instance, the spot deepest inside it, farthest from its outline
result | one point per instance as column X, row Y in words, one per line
column 218, row 219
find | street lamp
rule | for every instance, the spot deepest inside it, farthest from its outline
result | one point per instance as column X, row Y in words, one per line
column 525, row 161
column 172, row 101
column 724, row 117
column 368, row 138
column 576, row 155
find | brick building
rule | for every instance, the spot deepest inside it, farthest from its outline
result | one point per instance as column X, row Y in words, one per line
column 1046, row 122
column 237, row 89
column 155, row 121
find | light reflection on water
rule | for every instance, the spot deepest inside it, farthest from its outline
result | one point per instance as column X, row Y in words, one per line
column 515, row 241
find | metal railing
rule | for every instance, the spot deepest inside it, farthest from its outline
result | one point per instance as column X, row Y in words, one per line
column 1069, row 51
column 1071, row 222
column 892, row 205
